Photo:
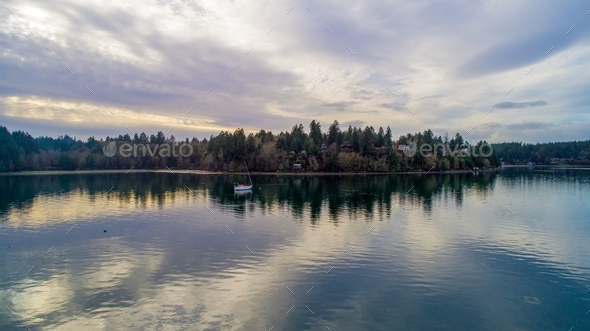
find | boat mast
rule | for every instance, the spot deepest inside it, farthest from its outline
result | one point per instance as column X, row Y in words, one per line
column 248, row 172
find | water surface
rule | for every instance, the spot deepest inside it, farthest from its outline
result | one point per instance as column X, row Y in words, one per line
column 494, row 251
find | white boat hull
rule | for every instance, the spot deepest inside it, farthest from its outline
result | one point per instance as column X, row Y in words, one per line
column 243, row 188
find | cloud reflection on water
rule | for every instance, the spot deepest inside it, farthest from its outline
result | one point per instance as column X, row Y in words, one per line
column 167, row 264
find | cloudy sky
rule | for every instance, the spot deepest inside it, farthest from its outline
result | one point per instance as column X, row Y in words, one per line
column 270, row 65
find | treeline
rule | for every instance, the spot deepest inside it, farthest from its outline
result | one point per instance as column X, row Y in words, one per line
column 571, row 152
column 354, row 149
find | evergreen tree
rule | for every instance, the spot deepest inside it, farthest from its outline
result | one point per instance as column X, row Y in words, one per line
column 315, row 133
column 334, row 134
column 368, row 147
column 387, row 139
column 380, row 141
column 9, row 151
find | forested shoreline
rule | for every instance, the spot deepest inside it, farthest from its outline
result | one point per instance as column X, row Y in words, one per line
column 354, row 149
column 553, row 153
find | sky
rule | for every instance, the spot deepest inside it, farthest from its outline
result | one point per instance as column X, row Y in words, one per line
column 195, row 68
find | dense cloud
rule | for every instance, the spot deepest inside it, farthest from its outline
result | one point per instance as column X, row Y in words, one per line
column 255, row 66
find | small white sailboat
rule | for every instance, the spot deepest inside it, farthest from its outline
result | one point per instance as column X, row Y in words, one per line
column 243, row 187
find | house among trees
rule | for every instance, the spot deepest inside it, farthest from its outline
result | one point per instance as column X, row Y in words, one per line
column 297, row 167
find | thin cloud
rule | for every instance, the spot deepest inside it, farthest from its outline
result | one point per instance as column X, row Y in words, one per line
column 431, row 97
column 512, row 105
column 340, row 105
column 530, row 126
column 393, row 106
column 357, row 123
column 362, row 95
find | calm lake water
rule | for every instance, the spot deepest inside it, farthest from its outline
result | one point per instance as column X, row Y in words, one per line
column 495, row 251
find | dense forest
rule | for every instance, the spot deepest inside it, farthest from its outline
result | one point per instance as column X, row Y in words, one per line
column 571, row 152
column 352, row 150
